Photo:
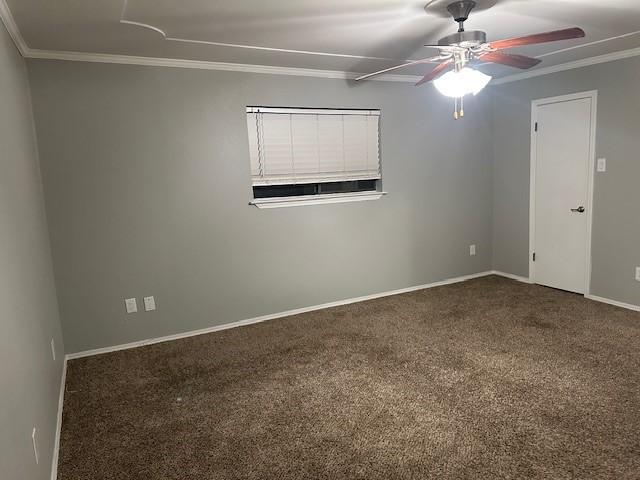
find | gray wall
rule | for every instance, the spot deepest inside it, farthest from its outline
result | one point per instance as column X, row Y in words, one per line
column 29, row 378
column 616, row 223
column 147, row 182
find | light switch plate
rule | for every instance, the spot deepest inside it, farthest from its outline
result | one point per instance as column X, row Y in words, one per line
column 472, row 250
column 638, row 274
column 149, row 304
column 132, row 306
column 602, row 165
column 53, row 349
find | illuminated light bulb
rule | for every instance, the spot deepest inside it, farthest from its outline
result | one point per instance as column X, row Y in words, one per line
column 463, row 82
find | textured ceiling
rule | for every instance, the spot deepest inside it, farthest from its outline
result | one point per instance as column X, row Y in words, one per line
column 344, row 35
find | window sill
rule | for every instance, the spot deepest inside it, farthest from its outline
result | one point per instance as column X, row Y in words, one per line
column 281, row 202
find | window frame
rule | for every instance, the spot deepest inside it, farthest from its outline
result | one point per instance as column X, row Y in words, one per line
column 318, row 198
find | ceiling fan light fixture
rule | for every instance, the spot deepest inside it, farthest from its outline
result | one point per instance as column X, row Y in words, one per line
column 457, row 84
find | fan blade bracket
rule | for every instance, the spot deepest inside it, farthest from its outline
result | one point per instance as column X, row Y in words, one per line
column 511, row 60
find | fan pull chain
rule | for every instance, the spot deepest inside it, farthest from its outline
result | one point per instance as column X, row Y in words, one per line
column 458, row 112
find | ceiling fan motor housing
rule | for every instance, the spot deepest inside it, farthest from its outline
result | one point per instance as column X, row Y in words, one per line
column 471, row 38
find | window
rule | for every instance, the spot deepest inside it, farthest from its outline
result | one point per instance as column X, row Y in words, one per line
column 313, row 155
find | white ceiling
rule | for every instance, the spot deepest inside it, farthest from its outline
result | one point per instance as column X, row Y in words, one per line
column 340, row 35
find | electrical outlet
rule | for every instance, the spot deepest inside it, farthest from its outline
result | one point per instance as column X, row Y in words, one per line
column 35, row 444
column 149, row 304
column 602, row 165
column 53, row 349
column 132, row 306
column 638, row 274
column 472, row 250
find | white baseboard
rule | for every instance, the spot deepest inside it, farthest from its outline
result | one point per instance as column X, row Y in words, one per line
column 628, row 306
column 56, row 441
column 263, row 318
column 511, row 276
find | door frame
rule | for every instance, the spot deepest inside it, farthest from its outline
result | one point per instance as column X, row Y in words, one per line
column 593, row 95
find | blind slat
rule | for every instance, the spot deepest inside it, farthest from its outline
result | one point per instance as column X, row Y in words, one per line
column 330, row 146
column 355, row 143
column 276, row 145
column 305, row 144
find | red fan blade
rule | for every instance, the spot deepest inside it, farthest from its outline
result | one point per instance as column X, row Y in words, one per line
column 435, row 72
column 567, row 34
column 517, row 61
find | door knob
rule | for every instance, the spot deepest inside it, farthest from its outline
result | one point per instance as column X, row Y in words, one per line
column 580, row 209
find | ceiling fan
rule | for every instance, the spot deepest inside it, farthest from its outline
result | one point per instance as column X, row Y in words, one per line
column 463, row 47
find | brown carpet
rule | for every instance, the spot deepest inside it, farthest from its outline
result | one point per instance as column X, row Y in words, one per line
column 485, row 379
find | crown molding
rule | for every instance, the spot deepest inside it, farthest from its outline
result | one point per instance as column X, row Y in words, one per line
column 300, row 72
column 585, row 62
column 204, row 65
column 12, row 28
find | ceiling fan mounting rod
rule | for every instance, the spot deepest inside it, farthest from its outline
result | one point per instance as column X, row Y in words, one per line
column 460, row 11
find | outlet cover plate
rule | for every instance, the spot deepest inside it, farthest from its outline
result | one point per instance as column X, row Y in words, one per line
column 602, row 165
column 149, row 304
column 132, row 306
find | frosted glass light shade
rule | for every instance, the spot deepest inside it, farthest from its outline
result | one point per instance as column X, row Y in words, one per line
column 461, row 83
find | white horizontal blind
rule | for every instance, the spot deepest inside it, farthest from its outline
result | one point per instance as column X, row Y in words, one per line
column 294, row 146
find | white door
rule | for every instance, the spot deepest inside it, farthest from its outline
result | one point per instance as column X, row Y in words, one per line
column 561, row 166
